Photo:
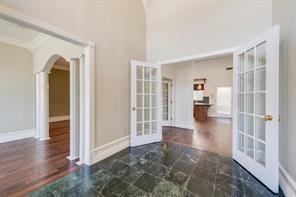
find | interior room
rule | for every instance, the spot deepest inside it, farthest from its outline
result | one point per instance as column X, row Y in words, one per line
column 147, row 98
column 207, row 83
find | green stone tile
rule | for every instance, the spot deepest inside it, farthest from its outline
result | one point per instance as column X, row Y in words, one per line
column 157, row 170
column 114, row 187
column 143, row 164
column 133, row 191
column 130, row 159
column 168, row 189
column 130, row 174
column 43, row 191
column 147, row 182
column 177, row 177
column 100, row 179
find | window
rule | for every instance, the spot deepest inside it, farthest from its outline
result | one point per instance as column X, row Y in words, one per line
column 224, row 100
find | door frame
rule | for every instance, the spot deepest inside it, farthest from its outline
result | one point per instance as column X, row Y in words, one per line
column 87, row 142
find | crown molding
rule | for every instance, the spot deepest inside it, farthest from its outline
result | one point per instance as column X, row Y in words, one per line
column 13, row 41
column 37, row 41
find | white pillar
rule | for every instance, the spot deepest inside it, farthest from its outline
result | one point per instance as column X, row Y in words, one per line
column 37, row 105
column 44, row 108
column 81, row 110
column 74, row 109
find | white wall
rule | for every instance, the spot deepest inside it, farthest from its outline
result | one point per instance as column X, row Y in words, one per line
column 181, row 28
column 118, row 29
column 16, row 89
column 284, row 14
column 214, row 70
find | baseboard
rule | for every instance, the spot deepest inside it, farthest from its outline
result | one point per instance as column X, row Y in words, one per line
column 184, row 125
column 219, row 116
column 109, row 149
column 16, row 135
column 287, row 183
column 59, row 118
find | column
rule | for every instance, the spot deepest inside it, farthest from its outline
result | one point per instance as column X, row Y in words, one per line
column 44, row 106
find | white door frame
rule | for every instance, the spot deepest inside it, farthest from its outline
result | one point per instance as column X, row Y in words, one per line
column 88, row 105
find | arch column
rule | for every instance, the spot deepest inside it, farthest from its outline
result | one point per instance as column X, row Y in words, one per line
column 43, row 103
column 74, row 109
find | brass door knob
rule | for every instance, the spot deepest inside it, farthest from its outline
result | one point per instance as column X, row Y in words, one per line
column 268, row 117
column 133, row 108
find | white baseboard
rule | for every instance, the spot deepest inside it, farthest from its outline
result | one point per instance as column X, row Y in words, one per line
column 16, row 135
column 219, row 116
column 59, row 118
column 184, row 125
column 109, row 149
column 287, row 184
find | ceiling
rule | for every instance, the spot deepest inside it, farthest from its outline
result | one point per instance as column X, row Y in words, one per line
column 17, row 35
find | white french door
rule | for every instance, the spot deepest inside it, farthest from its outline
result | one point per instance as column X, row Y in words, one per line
column 166, row 103
column 145, row 103
column 256, row 107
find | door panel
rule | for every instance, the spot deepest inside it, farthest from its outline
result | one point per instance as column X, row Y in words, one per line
column 145, row 103
column 166, row 103
column 255, row 124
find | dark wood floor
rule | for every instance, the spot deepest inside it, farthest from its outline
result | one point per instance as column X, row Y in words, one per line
column 214, row 135
column 26, row 164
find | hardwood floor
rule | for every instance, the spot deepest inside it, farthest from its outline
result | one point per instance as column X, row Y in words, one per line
column 214, row 135
column 26, row 164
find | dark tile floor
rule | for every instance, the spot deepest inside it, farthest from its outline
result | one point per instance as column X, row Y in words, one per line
column 159, row 169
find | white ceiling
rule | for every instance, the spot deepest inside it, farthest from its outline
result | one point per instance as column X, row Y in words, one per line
column 17, row 35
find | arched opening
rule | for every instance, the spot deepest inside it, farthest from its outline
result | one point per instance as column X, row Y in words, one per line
column 57, row 103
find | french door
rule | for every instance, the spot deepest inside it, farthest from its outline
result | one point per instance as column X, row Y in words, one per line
column 256, row 107
column 145, row 103
column 166, row 103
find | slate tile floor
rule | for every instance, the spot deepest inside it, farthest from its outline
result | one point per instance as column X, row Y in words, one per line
column 159, row 169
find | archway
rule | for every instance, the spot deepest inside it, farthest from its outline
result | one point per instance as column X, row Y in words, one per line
column 42, row 102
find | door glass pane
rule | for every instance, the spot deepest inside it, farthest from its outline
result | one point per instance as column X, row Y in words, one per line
column 139, row 129
column 240, row 141
column 241, row 103
column 165, row 94
column 147, row 115
column 260, row 152
column 249, row 103
column 165, row 86
column 146, row 101
column 146, row 128
column 153, row 74
column 260, row 128
column 165, row 102
column 165, row 109
column 139, row 101
column 261, row 54
column 249, row 125
column 146, row 87
column 153, row 101
column 260, row 103
column 241, row 83
column 250, row 81
column 153, row 87
column 250, row 59
column 139, row 87
column 249, row 146
column 241, row 63
column 147, row 73
column 154, row 111
column 139, row 72
column 240, row 123
column 154, row 127
column 165, row 117
column 139, row 115
column 261, row 79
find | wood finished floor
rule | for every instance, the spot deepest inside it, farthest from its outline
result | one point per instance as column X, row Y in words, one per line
column 214, row 135
column 27, row 164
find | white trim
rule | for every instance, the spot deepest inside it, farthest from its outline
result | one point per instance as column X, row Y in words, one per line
column 59, row 118
column 287, row 183
column 13, row 41
column 217, row 53
column 35, row 24
column 109, row 149
column 16, row 135
column 37, row 41
column 216, row 115
column 184, row 125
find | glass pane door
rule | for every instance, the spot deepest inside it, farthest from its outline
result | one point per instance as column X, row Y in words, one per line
column 146, row 87
column 251, row 104
column 165, row 101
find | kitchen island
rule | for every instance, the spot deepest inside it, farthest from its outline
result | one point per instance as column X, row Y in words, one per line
column 201, row 111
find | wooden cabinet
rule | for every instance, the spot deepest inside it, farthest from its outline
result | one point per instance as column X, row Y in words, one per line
column 201, row 112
